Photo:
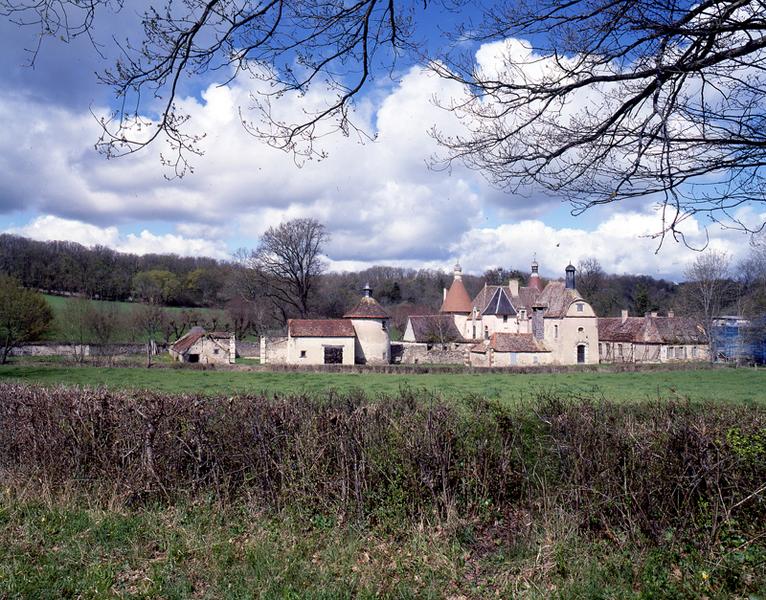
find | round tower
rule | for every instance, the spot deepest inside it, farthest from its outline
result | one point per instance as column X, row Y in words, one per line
column 371, row 324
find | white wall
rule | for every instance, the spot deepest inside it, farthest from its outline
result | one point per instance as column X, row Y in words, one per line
column 314, row 349
column 373, row 344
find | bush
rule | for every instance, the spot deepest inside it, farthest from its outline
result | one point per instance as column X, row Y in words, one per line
column 654, row 470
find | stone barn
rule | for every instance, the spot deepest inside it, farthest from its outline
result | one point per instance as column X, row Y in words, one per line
column 203, row 347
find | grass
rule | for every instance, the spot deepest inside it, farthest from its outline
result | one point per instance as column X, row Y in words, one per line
column 59, row 304
column 211, row 551
column 747, row 386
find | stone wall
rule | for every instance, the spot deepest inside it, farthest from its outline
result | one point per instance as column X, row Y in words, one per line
column 249, row 349
column 273, row 350
column 414, row 353
column 59, row 349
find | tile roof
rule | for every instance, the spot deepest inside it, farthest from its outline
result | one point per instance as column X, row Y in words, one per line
column 651, row 330
column 435, row 329
column 499, row 304
column 186, row 341
column 320, row 328
column 511, row 342
column 457, row 299
column 367, row 308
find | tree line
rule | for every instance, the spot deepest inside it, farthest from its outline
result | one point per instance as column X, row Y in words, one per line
column 285, row 276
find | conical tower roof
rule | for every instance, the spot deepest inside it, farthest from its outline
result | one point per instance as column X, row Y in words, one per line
column 457, row 299
column 367, row 307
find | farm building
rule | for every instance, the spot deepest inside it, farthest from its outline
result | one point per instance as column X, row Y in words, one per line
column 320, row 342
column 208, row 348
column 651, row 339
column 360, row 337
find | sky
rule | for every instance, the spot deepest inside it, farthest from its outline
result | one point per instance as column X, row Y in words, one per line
column 380, row 200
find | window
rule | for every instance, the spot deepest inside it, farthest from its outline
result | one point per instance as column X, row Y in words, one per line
column 694, row 352
column 535, row 360
column 523, row 314
column 303, row 354
column 385, row 326
column 505, row 318
column 556, row 331
column 216, row 350
column 601, row 349
column 619, row 350
column 486, row 333
column 580, row 307
column 580, row 330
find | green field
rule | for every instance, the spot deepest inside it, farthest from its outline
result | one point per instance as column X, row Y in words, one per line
column 124, row 334
column 744, row 385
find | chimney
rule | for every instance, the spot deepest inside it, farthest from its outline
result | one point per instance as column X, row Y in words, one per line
column 624, row 314
column 513, row 285
column 671, row 314
column 570, row 279
column 654, row 313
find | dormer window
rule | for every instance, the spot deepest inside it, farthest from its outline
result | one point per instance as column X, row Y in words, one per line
column 580, row 307
column 505, row 318
column 523, row 314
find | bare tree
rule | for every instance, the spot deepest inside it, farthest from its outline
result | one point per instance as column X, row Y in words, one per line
column 610, row 100
column 619, row 98
column 75, row 327
column 708, row 289
column 590, row 277
column 152, row 321
column 286, row 264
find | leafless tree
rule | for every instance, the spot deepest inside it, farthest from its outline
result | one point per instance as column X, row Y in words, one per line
column 152, row 321
column 590, row 277
column 74, row 326
column 611, row 99
column 619, row 98
column 289, row 46
column 286, row 264
column 708, row 288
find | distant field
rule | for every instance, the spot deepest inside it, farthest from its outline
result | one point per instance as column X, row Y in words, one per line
column 726, row 385
column 59, row 304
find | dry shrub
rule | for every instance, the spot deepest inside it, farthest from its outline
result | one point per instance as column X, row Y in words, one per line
column 645, row 470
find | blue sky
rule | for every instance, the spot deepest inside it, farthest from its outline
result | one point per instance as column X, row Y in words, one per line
column 379, row 200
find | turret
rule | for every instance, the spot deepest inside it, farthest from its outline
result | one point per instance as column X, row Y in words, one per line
column 570, row 277
column 534, row 278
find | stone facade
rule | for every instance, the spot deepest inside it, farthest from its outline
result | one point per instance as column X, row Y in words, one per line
column 207, row 348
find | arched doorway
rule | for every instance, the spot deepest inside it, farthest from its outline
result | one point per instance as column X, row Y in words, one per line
column 580, row 354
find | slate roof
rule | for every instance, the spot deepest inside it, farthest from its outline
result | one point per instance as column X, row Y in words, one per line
column 320, row 328
column 526, row 299
column 367, row 308
column 457, row 299
column 499, row 304
column 435, row 329
column 651, row 330
column 557, row 299
column 511, row 342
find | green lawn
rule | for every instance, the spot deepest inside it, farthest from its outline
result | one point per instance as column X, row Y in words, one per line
column 729, row 385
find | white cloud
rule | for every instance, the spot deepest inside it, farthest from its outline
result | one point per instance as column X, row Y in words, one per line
column 380, row 202
column 623, row 243
column 49, row 227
